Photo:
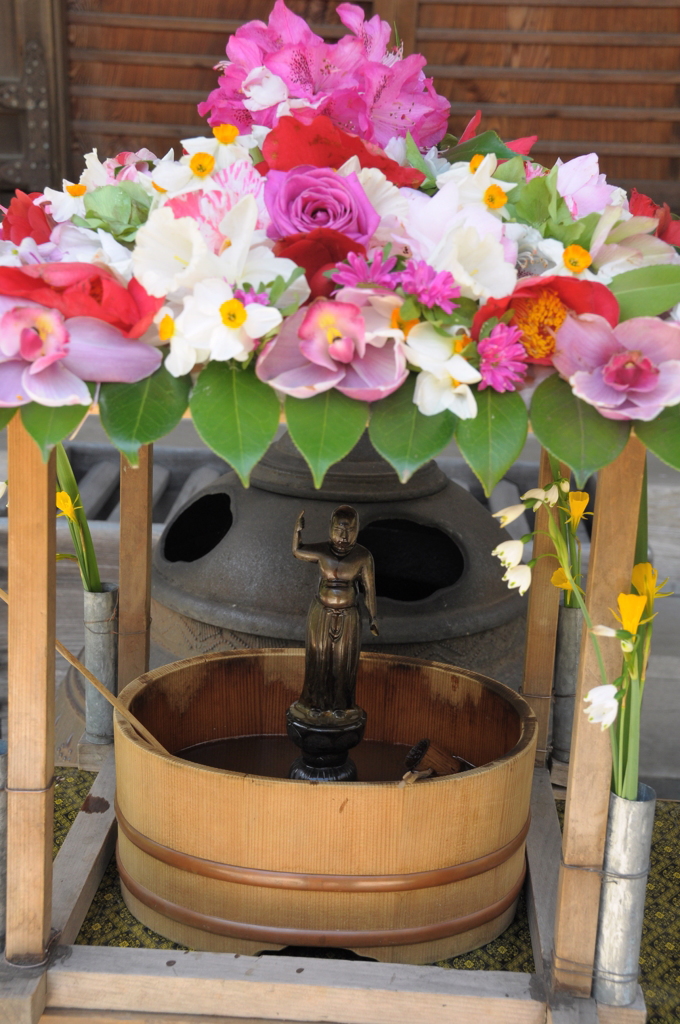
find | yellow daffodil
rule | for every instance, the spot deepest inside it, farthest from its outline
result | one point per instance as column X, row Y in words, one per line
column 66, row 506
column 631, row 608
column 578, row 501
column 645, row 582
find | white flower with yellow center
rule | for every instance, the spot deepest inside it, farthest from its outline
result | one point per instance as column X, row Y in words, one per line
column 214, row 320
column 446, row 375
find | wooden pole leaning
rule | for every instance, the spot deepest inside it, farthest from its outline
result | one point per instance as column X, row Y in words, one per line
column 585, row 823
column 542, row 615
column 31, row 626
column 135, row 566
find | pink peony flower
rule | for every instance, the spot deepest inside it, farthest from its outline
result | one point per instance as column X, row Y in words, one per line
column 46, row 358
column 503, row 359
column 628, row 372
column 316, row 197
column 326, row 346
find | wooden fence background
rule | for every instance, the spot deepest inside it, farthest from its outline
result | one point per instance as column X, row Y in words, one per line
column 601, row 75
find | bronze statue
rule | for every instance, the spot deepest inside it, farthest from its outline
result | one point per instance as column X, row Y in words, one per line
column 325, row 721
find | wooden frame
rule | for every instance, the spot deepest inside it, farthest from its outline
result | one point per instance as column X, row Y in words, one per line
column 68, row 983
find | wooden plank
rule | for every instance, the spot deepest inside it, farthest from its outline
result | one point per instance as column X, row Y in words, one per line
column 547, row 38
column 22, row 994
column 609, row 573
column 31, row 622
column 348, row 992
column 135, row 566
column 84, row 855
column 543, row 857
column 542, row 615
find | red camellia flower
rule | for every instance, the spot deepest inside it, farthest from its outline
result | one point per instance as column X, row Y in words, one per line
column 541, row 305
column 323, row 144
column 668, row 230
column 81, row 289
column 24, row 220
column 317, row 251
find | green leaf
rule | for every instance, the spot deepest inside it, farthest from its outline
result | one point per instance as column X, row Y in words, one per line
column 405, row 437
column 493, row 440
column 137, row 414
column 647, row 291
column 48, row 425
column 235, row 414
column 6, row 416
column 662, row 435
column 573, row 431
column 487, row 142
column 325, row 428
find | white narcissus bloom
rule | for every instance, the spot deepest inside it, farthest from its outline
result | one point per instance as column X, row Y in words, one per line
column 510, row 553
column 518, row 577
column 604, row 706
column 214, row 320
column 509, row 514
column 444, row 382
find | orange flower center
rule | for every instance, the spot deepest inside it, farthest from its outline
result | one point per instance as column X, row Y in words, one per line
column 202, row 164
column 538, row 318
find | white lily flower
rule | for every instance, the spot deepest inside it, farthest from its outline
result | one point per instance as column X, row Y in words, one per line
column 215, row 320
column 604, row 706
column 518, row 577
column 510, row 553
column 509, row 514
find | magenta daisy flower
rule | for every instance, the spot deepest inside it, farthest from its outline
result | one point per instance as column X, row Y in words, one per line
column 502, row 359
column 429, row 287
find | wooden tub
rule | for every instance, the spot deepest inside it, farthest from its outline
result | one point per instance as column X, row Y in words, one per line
column 226, row 861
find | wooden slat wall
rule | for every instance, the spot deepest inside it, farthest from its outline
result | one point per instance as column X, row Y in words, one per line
column 601, row 76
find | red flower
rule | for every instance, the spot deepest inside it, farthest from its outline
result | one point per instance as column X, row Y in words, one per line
column 323, row 144
column 668, row 230
column 80, row 289
column 24, row 220
column 540, row 306
column 317, row 251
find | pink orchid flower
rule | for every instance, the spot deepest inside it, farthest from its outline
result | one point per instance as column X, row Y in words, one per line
column 46, row 358
column 628, row 372
column 326, row 346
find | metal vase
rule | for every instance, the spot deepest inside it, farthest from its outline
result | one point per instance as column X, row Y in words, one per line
column 622, row 902
column 567, row 652
column 101, row 657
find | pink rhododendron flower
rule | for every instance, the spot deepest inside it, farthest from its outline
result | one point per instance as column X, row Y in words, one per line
column 582, row 187
column 326, row 346
column 628, row 372
column 46, row 358
column 503, row 359
column 316, row 197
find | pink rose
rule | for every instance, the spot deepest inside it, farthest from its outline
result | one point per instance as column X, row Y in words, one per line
column 310, row 197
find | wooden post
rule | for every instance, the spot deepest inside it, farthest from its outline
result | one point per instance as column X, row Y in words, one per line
column 31, row 625
column 135, row 566
column 609, row 573
column 402, row 15
column 542, row 614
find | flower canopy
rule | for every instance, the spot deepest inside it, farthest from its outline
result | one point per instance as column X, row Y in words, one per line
column 327, row 252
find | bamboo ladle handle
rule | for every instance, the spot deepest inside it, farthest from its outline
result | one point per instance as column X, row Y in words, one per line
column 98, row 685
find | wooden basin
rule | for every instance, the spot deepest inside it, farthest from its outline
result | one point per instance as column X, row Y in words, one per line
column 226, row 861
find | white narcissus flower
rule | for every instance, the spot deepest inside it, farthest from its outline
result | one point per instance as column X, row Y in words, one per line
column 214, row 320
column 509, row 514
column 510, row 553
column 518, row 577
column 604, row 706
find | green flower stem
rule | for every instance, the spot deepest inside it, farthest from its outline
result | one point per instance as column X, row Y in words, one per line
column 80, row 530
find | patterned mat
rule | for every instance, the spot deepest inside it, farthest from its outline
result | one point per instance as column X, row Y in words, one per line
column 110, row 923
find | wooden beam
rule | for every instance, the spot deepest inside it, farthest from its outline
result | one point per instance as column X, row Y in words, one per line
column 134, row 618
column 609, row 573
column 349, row 992
column 542, row 614
column 84, row 855
column 31, row 634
